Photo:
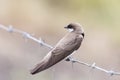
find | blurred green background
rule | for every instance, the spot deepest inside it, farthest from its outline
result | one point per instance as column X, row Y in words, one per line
column 46, row 19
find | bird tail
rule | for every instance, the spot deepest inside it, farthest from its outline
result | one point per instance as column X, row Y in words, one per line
column 48, row 61
column 44, row 64
column 38, row 68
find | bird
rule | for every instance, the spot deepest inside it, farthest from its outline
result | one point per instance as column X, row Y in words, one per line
column 66, row 46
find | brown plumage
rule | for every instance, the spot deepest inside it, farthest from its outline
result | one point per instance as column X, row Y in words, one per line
column 64, row 47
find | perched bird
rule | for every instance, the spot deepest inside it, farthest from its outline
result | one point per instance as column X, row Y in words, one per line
column 67, row 45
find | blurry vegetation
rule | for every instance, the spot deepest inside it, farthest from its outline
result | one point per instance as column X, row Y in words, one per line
column 104, row 11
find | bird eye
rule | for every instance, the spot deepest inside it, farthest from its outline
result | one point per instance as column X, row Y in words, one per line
column 70, row 26
column 83, row 35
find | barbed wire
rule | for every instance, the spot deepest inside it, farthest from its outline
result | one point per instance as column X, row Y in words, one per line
column 26, row 35
column 93, row 66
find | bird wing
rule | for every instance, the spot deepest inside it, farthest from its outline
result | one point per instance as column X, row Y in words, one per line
column 64, row 48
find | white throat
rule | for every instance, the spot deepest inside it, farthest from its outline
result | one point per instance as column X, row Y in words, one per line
column 70, row 30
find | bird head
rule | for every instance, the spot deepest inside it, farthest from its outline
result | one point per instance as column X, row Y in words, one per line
column 75, row 27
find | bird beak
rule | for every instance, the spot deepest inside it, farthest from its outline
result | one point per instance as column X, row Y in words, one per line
column 65, row 27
